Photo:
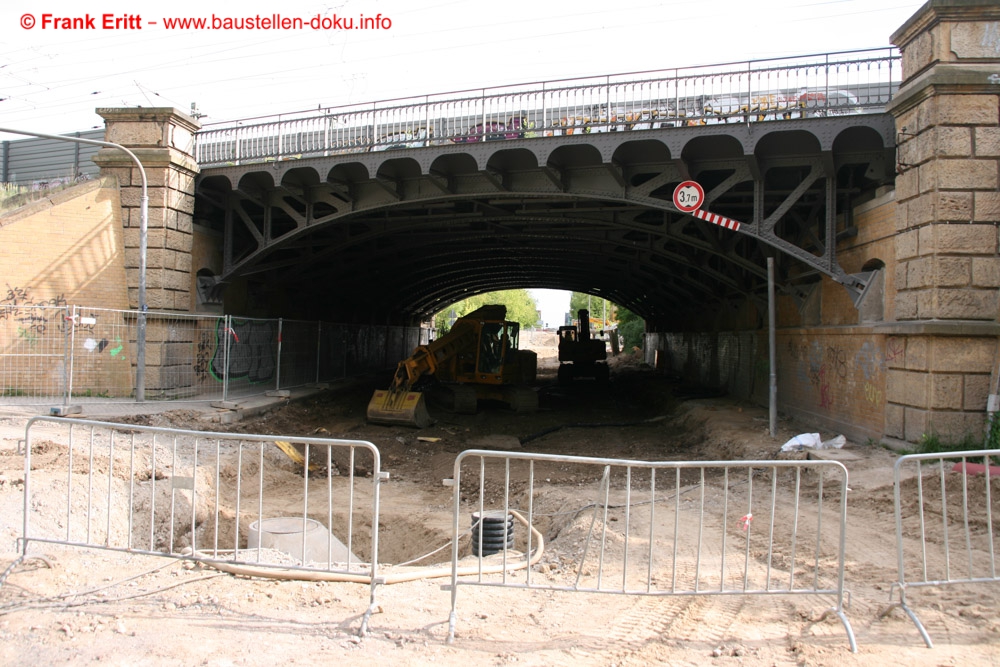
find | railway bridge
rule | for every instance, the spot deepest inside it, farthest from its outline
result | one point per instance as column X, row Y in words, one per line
column 395, row 212
column 870, row 178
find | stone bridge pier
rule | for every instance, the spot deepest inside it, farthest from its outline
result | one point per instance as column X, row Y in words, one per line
column 163, row 140
column 947, row 269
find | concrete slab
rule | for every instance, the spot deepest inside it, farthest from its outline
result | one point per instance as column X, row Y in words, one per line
column 841, row 455
column 502, row 442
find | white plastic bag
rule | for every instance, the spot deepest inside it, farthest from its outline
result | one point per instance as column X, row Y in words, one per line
column 812, row 441
column 833, row 443
column 802, row 441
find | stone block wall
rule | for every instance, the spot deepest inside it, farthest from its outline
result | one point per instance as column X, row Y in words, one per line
column 947, row 257
column 163, row 140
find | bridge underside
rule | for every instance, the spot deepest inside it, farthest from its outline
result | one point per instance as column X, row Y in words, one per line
column 396, row 236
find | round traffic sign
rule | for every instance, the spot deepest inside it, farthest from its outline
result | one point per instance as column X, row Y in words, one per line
column 688, row 196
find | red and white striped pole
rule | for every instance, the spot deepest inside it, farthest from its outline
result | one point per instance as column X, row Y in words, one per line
column 715, row 219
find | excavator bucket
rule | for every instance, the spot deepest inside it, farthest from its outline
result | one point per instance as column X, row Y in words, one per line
column 402, row 409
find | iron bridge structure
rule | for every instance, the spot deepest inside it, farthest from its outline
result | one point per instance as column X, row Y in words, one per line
column 391, row 212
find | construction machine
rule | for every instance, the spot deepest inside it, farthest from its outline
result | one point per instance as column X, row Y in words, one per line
column 580, row 355
column 477, row 359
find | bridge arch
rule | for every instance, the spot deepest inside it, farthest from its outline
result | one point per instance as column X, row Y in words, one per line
column 423, row 227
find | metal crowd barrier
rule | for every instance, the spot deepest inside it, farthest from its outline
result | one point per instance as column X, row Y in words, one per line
column 219, row 498
column 944, row 523
column 655, row 528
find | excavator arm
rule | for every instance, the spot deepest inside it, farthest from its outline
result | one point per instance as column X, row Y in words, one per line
column 399, row 404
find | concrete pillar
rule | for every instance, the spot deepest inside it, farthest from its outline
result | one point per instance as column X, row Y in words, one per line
column 947, row 271
column 163, row 140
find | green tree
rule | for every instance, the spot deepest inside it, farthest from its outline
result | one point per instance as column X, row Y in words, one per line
column 599, row 307
column 631, row 327
column 521, row 308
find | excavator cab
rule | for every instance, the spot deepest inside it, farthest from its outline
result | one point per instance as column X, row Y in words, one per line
column 478, row 359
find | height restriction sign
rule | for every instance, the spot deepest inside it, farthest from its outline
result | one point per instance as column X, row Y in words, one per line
column 688, row 196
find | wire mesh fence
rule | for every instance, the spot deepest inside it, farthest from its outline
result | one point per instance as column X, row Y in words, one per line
column 62, row 354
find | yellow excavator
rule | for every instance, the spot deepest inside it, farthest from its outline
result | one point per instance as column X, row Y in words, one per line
column 478, row 359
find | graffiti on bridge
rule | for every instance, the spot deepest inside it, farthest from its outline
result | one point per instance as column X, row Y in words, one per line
column 841, row 376
column 251, row 350
column 872, row 393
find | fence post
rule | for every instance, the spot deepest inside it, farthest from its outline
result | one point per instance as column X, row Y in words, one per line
column 319, row 347
column 277, row 372
column 226, row 324
column 68, row 319
column 343, row 340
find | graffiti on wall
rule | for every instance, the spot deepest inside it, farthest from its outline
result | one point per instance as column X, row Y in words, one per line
column 204, row 350
column 250, row 350
column 894, row 349
column 873, row 394
column 33, row 316
column 94, row 342
column 839, row 374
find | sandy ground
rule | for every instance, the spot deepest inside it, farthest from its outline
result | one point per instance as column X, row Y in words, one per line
column 81, row 606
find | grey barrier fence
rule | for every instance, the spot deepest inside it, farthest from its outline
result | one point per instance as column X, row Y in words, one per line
column 219, row 498
column 944, row 505
column 655, row 528
column 848, row 82
column 69, row 353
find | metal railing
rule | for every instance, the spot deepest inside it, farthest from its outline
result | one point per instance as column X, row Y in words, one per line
column 218, row 498
column 655, row 528
column 944, row 523
column 76, row 354
column 848, row 82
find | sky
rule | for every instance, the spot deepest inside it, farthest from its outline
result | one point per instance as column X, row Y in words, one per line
column 60, row 60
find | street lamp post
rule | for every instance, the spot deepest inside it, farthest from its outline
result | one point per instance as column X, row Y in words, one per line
column 140, row 343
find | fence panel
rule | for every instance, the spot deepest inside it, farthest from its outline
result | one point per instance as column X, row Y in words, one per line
column 34, row 351
column 945, row 505
column 298, row 353
column 333, row 351
column 655, row 528
column 62, row 353
column 233, row 500
column 250, row 354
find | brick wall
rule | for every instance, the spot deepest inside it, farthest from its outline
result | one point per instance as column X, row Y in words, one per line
column 67, row 248
column 58, row 252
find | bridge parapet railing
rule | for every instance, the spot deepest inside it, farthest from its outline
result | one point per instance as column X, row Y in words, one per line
column 947, row 510
column 850, row 82
column 666, row 528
